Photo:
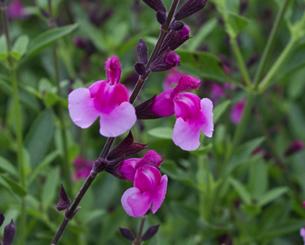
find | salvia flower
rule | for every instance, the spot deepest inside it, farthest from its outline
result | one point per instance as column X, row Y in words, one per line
column 237, row 111
column 302, row 234
column 82, row 168
column 128, row 167
column 106, row 99
column 16, row 10
column 294, row 147
column 147, row 194
column 172, row 79
column 194, row 115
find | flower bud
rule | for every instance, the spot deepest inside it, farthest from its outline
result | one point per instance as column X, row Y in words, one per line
column 161, row 17
column 176, row 25
column 172, row 59
column 9, row 233
column 177, row 38
column 1, row 219
column 142, row 52
column 189, row 8
column 64, row 201
column 294, row 147
column 156, row 5
column 140, row 68
column 128, row 234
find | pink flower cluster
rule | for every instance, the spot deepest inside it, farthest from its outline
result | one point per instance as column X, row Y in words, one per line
column 193, row 115
column 149, row 187
column 107, row 100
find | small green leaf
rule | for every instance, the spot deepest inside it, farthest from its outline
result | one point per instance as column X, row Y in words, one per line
column 161, row 132
column 272, row 195
column 43, row 165
column 241, row 190
column 15, row 187
column 203, row 64
column 220, row 109
column 50, row 188
column 49, row 37
column 7, row 167
column 40, row 136
column 20, row 47
column 236, row 24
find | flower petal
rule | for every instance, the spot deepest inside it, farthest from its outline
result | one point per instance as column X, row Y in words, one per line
column 163, row 104
column 152, row 158
column 186, row 135
column 113, row 69
column 159, row 196
column 118, row 121
column 147, row 178
column 187, row 106
column 81, row 108
column 207, row 110
column 135, row 203
column 128, row 167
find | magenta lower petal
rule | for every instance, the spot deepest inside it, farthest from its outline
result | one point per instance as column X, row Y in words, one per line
column 81, row 108
column 159, row 195
column 186, row 135
column 135, row 203
column 147, row 178
column 207, row 110
column 118, row 121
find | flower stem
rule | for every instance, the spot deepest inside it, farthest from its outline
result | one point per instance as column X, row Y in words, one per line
column 240, row 61
column 138, row 239
column 277, row 65
column 18, row 121
column 70, row 212
column 270, row 41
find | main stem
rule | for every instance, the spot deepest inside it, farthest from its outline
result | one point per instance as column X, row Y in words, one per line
column 103, row 155
column 18, row 122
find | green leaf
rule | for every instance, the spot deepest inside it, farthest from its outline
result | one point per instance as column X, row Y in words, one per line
column 272, row 195
column 50, row 188
column 236, row 24
column 7, row 167
column 258, row 179
column 220, row 109
column 47, row 38
column 3, row 48
column 43, row 165
column 40, row 136
column 205, row 30
column 15, row 187
column 203, row 64
column 95, row 214
column 241, row 190
column 161, row 132
column 20, row 47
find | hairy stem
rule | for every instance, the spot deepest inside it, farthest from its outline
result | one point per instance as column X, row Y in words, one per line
column 270, row 41
column 70, row 212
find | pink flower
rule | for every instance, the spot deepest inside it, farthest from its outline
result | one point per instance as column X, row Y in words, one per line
column 82, row 168
column 106, row 99
column 16, row 10
column 194, row 115
column 148, row 192
column 237, row 111
column 172, row 79
column 128, row 167
column 302, row 234
column 217, row 91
